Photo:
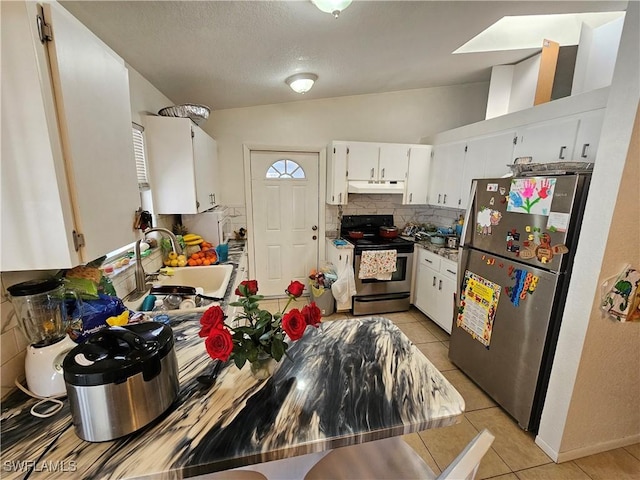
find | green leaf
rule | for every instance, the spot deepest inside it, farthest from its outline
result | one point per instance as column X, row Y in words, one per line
column 277, row 349
column 239, row 358
column 265, row 336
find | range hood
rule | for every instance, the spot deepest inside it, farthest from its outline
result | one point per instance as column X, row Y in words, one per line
column 359, row 186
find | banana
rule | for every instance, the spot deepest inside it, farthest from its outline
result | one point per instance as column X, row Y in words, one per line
column 190, row 237
column 192, row 243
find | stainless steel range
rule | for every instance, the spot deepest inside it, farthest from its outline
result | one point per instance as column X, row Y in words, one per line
column 374, row 295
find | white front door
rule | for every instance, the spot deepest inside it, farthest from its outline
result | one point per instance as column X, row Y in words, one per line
column 284, row 192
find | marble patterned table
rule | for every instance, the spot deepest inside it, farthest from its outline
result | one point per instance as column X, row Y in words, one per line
column 350, row 381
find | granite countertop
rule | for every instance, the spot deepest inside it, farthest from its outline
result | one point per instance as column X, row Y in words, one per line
column 380, row 385
column 448, row 253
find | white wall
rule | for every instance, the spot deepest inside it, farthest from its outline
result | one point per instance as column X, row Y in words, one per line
column 525, row 81
column 592, row 401
column 402, row 117
column 596, row 56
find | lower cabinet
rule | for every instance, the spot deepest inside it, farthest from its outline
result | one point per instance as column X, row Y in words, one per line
column 339, row 257
column 435, row 287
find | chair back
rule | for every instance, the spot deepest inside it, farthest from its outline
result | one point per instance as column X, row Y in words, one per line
column 465, row 465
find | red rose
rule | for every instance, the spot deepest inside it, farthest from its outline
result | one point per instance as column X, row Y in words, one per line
column 295, row 289
column 312, row 314
column 294, row 324
column 219, row 343
column 250, row 285
column 212, row 318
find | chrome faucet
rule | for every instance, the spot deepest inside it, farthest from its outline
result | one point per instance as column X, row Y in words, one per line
column 141, row 278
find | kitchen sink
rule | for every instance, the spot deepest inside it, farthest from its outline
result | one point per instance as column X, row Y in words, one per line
column 210, row 281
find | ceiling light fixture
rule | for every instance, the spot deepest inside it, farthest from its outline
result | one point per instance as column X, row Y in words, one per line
column 301, row 82
column 334, row 7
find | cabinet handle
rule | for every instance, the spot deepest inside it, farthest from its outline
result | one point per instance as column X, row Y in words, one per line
column 434, row 282
column 372, row 171
column 410, row 197
column 561, row 155
column 383, row 173
column 452, row 273
column 439, row 195
column 428, row 261
column 439, row 284
column 340, row 197
column 339, row 257
column 584, row 150
column 445, row 199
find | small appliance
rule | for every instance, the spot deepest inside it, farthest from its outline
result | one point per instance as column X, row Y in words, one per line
column 42, row 313
column 121, row 379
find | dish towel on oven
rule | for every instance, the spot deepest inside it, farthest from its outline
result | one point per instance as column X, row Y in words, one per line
column 378, row 264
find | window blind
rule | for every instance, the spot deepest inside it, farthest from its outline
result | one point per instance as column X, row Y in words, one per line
column 141, row 161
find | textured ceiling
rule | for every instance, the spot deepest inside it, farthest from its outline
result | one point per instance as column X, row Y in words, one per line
column 229, row 54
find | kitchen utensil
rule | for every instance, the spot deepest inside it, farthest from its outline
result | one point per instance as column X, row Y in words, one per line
column 388, row 232
column 121, row 379
column 452, row 241
column 182, row 291
column 437, row 239
column 355, row 234
column 43, row 318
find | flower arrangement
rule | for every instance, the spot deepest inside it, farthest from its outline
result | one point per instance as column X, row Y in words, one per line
column 258, row 333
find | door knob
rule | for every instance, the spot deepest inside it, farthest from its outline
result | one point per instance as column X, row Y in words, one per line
column 315, row 237
column 314, row 228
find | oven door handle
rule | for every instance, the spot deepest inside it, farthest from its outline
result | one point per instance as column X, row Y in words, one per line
column 378, row 298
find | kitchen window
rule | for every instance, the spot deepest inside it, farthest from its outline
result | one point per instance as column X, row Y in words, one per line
column 141, row 160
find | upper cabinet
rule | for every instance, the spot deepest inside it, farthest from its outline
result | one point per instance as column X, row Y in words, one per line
column 337, row 174
column 183, row 166
column 69, row 186
column 588, row 136
column 445, row 174
column 547, row 142
column 377, row 161
column 417, row 188
column 380, row 168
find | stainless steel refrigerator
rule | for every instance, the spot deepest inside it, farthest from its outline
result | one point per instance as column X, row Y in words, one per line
column 514, row 269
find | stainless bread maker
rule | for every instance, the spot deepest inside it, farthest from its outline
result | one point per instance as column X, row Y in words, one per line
column 121, row 379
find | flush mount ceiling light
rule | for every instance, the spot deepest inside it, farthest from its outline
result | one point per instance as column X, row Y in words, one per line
column 301, row 82
column 334, row 7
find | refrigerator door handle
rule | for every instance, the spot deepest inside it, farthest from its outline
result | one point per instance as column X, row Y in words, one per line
column 463, row 258
column 467, row 217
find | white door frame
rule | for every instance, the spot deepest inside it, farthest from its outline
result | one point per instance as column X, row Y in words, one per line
column 248, row 200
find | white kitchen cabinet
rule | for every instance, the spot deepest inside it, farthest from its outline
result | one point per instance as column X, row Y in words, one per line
column 445, row 174
column 69, row 186
column 337, row 174
column 588, row 136
column 394, row 162
column 435, row 286
column 417, row 185
column 485, row 157
column 547, row 142
column 183, row 166
column 339, row 257
column 368, row 161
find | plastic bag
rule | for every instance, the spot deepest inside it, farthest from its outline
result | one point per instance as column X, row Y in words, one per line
column 94, row 314
column 345, row 286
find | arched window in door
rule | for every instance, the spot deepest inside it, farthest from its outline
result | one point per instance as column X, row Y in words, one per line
column 285, row 168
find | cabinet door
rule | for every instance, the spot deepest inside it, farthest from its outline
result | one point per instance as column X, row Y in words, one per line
column 547, row 142
column 445, row 291
column 418, row 176
column 91, row 87
column 588, row 136
column 394, row 162
column 205, row 155
column 171, row 164
column 486, row 157
column 445, row 178
column 337, row 174
column 362, row 161
column 427, row 291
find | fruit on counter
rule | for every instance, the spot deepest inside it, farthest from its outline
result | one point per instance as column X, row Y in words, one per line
column 119, row 320
column 175, row 260
column 191, row 239
column 208, row 257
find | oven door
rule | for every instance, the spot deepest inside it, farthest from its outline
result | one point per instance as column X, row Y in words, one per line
column 400, row 280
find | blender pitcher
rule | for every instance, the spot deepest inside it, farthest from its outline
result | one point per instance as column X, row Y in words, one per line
column 42, row 313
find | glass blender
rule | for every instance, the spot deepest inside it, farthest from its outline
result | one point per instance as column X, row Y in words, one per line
column 42, row 313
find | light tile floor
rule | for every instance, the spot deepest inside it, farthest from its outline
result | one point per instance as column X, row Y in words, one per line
column 514, row 454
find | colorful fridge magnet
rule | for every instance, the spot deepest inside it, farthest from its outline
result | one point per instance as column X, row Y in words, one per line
column 531, row 195
column 478, row 303
column 558, row 222
column 487, row 218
